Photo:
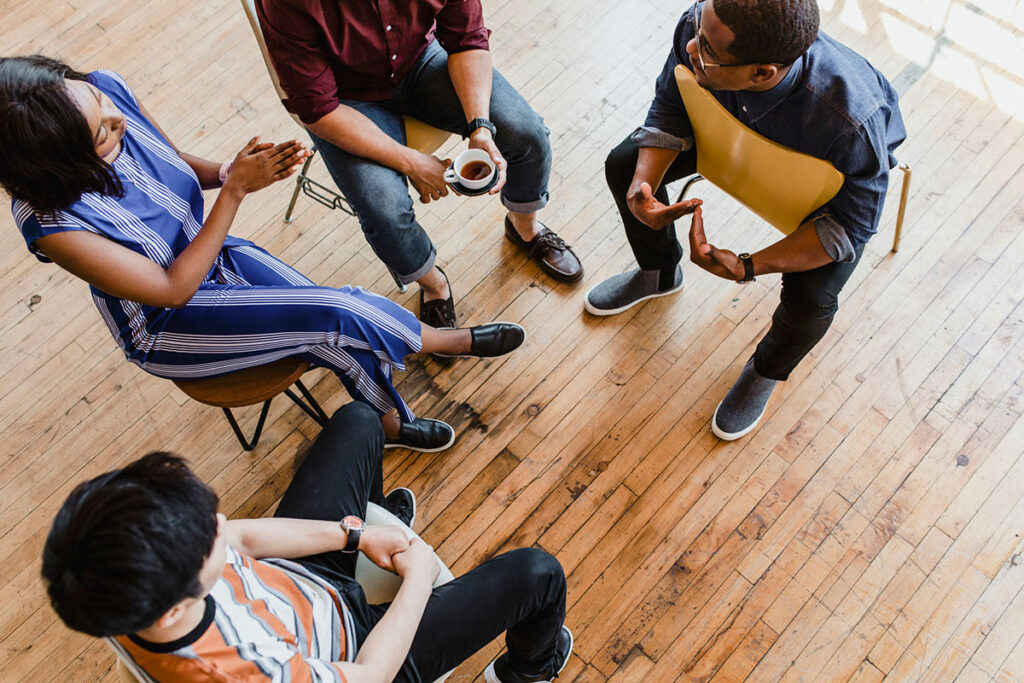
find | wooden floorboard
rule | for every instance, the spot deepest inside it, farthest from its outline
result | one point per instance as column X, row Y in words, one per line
column 869, row 529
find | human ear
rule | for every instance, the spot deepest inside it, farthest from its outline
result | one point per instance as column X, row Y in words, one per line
column 171, row 616
column 763, row 73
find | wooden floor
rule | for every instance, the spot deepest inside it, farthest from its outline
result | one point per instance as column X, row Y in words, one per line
column 870, row 528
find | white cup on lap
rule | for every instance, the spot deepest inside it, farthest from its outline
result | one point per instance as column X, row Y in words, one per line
column 473, row 169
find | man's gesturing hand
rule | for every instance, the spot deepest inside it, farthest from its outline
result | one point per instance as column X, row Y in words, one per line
column 651, row 212
column 720, row 262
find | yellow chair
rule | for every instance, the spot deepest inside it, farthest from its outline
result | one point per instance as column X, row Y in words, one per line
column 379, row 586
column 418, row 135
column 779, row 184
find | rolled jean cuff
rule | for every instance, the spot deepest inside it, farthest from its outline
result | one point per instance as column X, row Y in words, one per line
column 525, row 207
column 421, row 271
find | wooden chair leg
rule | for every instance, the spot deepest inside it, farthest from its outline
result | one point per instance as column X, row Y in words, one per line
column 248, row 445
column 904, row 193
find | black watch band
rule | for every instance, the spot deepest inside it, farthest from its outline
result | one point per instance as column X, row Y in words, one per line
column 353, row 527
column 480, row 123
column 748, row 268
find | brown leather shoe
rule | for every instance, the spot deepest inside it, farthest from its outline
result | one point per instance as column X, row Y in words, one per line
column 553, row 255
column 439, row 313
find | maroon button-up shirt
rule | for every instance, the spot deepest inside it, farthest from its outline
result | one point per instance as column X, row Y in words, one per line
column 326, row 50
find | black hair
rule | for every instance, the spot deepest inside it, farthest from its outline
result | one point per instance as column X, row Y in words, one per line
column 769, row 31
column 128, row 545
column 47, row 155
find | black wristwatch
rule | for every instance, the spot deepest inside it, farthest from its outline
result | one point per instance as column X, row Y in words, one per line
column 480, row 123
column 353, row 527
column 748, row 268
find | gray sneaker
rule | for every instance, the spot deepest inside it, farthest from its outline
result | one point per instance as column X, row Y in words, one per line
column 621, row 292
column 744, row 405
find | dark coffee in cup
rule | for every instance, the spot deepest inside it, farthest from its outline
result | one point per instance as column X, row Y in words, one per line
column 475, row 170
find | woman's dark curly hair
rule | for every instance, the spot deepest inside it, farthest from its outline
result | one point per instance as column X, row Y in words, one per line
column 47, row 156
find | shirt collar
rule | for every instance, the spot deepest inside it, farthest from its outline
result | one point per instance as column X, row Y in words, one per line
column 757, row 104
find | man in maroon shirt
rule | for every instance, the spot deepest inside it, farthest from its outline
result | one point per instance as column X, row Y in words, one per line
column 351, row 70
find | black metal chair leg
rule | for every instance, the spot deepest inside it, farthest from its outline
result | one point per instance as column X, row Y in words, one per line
column 249, row 445
column 313, row 408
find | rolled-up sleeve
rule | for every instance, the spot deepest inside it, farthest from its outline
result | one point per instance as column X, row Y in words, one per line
column 862, row 156
column 303, row 66
column 460, row 26
column 667, row 120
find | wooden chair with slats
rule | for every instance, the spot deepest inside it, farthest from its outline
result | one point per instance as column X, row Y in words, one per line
column 379, row 585
column 418, row 135
column 777, row 183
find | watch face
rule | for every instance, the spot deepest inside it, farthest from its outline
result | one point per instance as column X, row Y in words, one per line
column 352, row 522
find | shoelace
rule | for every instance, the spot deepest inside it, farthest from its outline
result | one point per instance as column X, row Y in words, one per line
column 440, row 309
column 551, row 240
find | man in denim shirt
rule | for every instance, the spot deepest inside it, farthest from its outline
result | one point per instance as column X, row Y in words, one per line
column 771, row 68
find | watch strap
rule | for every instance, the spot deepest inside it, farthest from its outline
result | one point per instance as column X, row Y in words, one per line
column 748, row 267
column 353, row 527
column 480, row 123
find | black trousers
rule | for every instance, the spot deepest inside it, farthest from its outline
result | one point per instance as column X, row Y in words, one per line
column 809, row 299
column 520, row 593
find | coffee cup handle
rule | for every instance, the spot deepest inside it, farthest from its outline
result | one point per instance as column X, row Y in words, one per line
column 450, row 176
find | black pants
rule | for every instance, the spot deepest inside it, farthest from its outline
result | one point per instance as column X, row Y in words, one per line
column 521, row 592
column 809, row 299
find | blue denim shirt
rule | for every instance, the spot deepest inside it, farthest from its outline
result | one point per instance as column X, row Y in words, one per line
column 832, row 105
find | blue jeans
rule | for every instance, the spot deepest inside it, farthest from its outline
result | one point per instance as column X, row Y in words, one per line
column 380, row 195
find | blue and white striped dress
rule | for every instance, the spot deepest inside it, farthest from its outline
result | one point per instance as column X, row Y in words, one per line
column 251, row 308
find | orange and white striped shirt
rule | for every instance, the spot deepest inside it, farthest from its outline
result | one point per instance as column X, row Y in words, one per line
column 265, row 620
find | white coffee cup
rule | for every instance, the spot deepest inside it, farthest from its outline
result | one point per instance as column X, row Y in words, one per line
column 471, row 158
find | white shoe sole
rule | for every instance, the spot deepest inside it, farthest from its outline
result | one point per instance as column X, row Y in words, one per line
column 593, row 310
column 404, row 488
column 493, row 322
column 732, row 436
column 420, row 449
column 491, row 677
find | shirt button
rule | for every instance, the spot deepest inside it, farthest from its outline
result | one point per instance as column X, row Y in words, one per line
column 744, row 107
column 392, row 74
column 394, row 57
column 388, row 27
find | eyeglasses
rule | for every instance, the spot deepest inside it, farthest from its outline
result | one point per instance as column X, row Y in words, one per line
column 702, row 45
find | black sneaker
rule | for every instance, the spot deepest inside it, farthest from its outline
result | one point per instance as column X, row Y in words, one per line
column 423, row 435
column 402, row 504
column 499, row 670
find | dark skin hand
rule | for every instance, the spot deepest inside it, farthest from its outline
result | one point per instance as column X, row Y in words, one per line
column 655, row 215
column 799, row 251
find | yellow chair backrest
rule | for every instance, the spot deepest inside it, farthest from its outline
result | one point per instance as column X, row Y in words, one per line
column 418, row 135
column 779, row 184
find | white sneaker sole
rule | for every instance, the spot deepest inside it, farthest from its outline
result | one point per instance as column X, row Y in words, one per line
column 593, row 310
column 732, row 436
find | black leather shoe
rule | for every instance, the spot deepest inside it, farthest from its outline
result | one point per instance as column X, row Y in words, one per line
column 491, row 340
column 402, row 504
column 423, row 435
column 439, row 313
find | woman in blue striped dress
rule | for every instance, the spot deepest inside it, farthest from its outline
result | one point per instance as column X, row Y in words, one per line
column 99, row 190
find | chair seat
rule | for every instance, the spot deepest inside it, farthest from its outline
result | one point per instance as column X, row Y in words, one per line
column 245, row 387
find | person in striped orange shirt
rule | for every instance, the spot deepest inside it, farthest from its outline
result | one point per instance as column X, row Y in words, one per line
column 140, row 556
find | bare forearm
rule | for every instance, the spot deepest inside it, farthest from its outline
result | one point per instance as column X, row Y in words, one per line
column 284, row 537
column 799, row 251
column 188, row 270
column 353, row 132
column 207, row 171
column 470, row 72
column 387, row 645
